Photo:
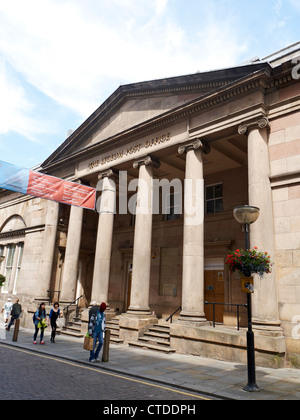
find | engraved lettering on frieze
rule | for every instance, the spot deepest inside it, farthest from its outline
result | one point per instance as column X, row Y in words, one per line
column 129, row 151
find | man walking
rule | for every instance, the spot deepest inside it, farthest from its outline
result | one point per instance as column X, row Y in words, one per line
column 15, row 313
column 96, row 330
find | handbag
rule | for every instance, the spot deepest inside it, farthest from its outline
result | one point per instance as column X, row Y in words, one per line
column 88, row 343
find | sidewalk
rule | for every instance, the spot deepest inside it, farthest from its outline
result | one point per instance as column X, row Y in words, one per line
column 191, row 373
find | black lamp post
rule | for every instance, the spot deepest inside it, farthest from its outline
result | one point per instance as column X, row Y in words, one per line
column 246, row 215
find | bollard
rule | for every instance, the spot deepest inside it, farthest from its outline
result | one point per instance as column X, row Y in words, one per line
column 105, row 355
column 16, row 330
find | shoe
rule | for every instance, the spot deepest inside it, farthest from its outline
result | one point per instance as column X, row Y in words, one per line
column 42, row 342
column 97, row 360
column 34, row 342
column 92, row 361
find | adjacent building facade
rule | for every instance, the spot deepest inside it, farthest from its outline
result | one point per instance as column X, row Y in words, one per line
column 171, row 159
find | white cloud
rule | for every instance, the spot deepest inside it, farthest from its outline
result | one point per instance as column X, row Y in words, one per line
column 78, row 52
column 15, row 108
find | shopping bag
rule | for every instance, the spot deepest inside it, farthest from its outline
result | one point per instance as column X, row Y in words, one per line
column 60, row 322
column 88, row 343
column 42, row 324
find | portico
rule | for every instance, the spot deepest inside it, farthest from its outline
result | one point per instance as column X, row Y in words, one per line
column 170, row 159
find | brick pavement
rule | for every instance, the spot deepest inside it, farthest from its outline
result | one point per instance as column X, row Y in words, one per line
column 191, row 373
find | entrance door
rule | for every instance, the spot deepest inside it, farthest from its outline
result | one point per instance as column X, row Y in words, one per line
column 214, row 292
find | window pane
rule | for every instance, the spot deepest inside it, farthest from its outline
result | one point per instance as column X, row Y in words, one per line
column 209, row 193
column 219, row 191
column 210, row 208
column 219, row 206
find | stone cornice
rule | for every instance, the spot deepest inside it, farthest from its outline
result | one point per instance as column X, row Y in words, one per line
column 21, row 232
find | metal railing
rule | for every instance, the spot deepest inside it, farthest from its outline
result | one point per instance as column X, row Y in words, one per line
column 170, row 318
column 75, row 302
column 238, row 306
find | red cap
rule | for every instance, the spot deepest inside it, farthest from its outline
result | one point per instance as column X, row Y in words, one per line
column 103, row 307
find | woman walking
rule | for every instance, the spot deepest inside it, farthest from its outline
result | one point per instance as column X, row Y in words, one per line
column 40, row 323
column 54, row 315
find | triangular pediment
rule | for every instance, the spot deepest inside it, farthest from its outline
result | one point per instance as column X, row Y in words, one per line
column 132, row 105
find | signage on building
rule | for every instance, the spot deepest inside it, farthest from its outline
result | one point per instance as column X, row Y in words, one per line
column 25, row 181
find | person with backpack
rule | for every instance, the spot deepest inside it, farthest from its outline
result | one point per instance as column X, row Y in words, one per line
column 15, row 313
column 96, row 329
column 39, row 319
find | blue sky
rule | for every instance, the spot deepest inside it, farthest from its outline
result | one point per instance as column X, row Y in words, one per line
column 60, row 59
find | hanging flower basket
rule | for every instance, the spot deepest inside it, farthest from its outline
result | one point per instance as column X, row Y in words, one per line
column 249, row 262
column 2, row 280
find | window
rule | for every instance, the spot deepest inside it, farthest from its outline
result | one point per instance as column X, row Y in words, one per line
column 18, row 268
column 214, row 199
column 12, row 265
column 173, row 206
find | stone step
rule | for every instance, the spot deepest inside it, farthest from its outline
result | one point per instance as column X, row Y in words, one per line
column 155, row 341
column 71, row 333
column 162, row 349
column 157, row 335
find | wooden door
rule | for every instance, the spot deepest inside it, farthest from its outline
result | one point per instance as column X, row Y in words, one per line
column 214, row 292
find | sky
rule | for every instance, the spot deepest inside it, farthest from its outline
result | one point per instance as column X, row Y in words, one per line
column 61, row 59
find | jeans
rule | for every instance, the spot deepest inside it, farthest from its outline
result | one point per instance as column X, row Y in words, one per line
column 99, row 337
column 36, row 333
column 12, row 321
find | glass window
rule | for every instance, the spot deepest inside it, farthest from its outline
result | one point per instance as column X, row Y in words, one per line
column 20, row 255
column 214, row 199
column 9, row 266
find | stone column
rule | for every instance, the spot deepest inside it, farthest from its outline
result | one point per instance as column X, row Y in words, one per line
column 139, row 303
column 262, row 235
column 70, row 272
column 193, row 240
column 106, row 210
column 48, row 249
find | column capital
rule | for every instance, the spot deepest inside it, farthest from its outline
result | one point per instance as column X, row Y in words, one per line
column 147, row 160
column 110, row 173
column 195, row 145
column 259, row 124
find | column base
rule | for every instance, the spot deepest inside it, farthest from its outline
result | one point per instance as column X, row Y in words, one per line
column 139, row 311
column 268, row 327
column 134, row 325
column 196, row 319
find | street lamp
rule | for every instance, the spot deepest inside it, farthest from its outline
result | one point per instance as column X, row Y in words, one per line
column 246, row 215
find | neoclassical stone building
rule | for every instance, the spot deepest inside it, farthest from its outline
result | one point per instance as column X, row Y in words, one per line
column 234, row 131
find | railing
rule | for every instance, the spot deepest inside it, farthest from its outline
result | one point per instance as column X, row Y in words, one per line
column 238, row 306
column 170, row 318
column 72, row 304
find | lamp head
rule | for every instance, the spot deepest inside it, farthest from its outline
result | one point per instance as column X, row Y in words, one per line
column 246, row 215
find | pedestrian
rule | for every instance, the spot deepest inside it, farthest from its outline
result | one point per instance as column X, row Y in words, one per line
column 15, row 313
column 96, row 330
column 40, row 318
column 6, row 311
column 53, row 316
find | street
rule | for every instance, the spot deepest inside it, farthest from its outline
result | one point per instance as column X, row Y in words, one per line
column 29, row 376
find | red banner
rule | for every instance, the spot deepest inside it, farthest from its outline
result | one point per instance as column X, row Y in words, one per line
column 52, row 188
